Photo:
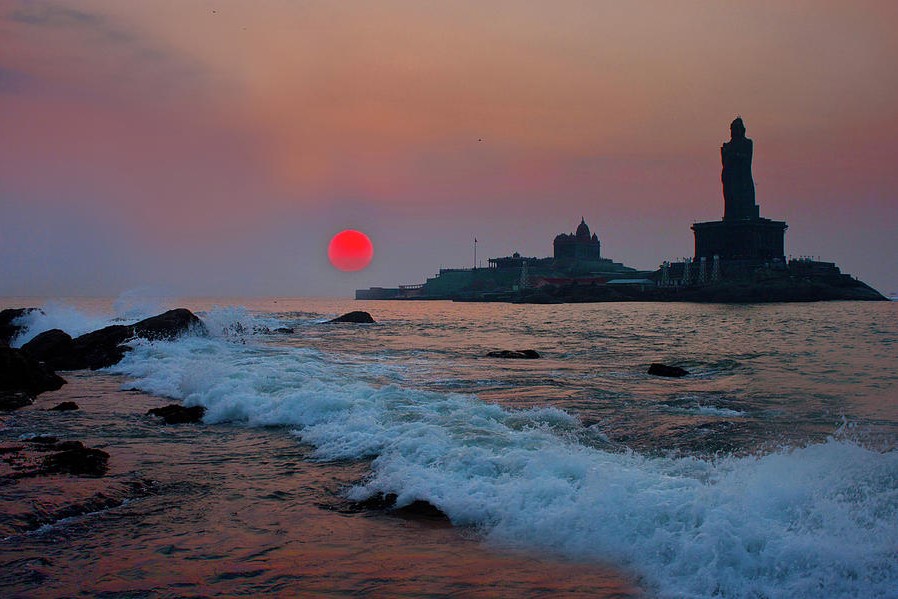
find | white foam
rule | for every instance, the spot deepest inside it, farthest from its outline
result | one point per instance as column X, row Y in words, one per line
column 237, row 322
column 141, row 302
column 58, row 315
column 809, row 522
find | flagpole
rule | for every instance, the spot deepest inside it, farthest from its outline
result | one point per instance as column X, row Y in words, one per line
column 475, row 253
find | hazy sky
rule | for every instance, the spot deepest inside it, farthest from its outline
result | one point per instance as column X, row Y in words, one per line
column 214, row 147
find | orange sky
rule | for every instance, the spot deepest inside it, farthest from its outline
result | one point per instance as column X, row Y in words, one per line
column 214, row 147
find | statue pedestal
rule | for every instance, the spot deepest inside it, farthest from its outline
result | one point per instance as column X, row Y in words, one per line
column 748, row 239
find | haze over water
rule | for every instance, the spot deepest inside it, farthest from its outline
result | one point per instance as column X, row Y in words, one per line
column 770, row 471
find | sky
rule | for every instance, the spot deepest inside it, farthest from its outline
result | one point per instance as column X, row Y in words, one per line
column 212, row 148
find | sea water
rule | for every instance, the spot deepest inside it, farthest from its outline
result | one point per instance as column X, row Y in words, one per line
column 770, row 471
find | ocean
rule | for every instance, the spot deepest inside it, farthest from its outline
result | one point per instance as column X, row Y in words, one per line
column 770, row 471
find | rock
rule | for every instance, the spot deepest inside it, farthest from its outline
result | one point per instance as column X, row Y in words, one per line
column 65, row 445
column 80, row 461
column 55, row 348
column 105, row 347
column 8, row 330
column 65, row 406
column 170, row 325
column 418, row 509
column 102, row 348
column 523, row 354
column 176, row 414
column 22, row 375
column 284, row 330
column 664, row 370
column 13, row 400
column 356, row 316
column 42, row 440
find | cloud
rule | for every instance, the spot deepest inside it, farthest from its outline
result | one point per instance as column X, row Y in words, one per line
column 82, row 53
column 45, row 14
column 13, row 81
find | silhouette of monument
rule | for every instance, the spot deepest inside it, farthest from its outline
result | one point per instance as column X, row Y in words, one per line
column 742, row 234
column 578, row 246
column 738, row 185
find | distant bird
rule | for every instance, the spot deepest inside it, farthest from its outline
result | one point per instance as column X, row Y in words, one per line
column 479, row 139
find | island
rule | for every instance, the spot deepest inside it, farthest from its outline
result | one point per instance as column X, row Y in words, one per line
column 738, row 259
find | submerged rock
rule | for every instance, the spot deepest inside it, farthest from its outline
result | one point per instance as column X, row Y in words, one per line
column 521, row 354
column 418, row 509
column 21, row 376
column 44, row 455
column 177, row 414
column 65, row 406
column 77, row 460
column 356, row 316
column 665, row 370
column 43, row 440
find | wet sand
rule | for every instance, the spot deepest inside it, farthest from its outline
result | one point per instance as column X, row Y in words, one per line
column 200, row 510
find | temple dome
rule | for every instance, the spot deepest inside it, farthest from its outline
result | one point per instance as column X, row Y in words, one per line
column 583, row 229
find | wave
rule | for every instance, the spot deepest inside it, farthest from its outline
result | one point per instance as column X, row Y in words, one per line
column 130, row 307
column 800, row 522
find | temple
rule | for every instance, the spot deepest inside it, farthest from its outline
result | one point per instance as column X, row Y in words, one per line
column 738, row 259
column 742, row 234
column 577, row 246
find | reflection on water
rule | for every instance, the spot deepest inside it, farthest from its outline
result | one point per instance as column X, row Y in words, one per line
column 237, row 511
column 228, row 509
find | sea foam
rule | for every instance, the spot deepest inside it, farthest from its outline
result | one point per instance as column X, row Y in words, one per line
column 800, row 522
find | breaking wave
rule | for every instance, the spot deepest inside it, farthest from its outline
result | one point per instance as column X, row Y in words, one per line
column 812, row 521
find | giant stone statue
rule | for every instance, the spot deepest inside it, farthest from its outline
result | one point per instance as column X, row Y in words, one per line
column 738, row 186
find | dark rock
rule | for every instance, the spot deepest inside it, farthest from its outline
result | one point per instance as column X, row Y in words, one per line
column 65, row 406
column 664, row 370
column 377, row 502
column 65, row 445
column 13, row 400
column 356, row 316
column 55, row 348
column 102, row 348
column 263, row 330
column 523, row 354
column 8, row 330
column 80, row 461
column 20, row 374
column 170, row 325
column 105, row 347
column 43, row 440
column 416, row 510
column 176, row 414
column 420, row 510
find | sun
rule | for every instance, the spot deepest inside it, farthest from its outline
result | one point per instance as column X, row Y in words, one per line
column 350, row 250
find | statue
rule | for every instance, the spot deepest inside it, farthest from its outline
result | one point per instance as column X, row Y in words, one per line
column 738, row 186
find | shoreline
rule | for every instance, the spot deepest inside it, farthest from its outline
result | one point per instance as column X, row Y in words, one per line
column 232, row 509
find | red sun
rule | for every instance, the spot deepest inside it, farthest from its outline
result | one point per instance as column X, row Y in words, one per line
column 350, row 250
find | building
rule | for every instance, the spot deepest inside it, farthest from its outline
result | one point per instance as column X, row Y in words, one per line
column 578, row 246
column 742, row 234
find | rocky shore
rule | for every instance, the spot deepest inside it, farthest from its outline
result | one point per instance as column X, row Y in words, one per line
column 29, row 371
column 47, row 466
